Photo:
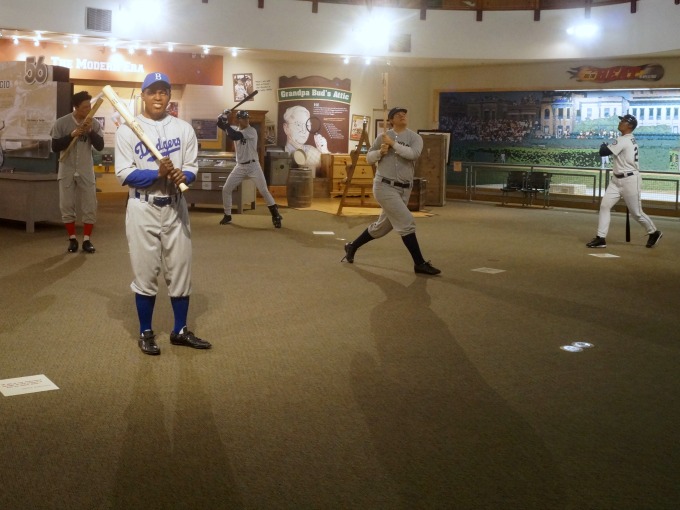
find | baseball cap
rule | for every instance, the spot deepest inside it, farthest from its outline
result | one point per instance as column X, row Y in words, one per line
column 394, row 111
column 152, row 78
column 242, row 114
column 629, row 119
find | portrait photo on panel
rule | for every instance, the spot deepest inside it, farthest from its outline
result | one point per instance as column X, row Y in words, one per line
column 243, row 85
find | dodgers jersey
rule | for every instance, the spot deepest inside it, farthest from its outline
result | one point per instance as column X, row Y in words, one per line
column 173, row 137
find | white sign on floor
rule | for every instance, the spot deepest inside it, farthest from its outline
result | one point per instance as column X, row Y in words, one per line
column 489, row 270
column 28, row 384
column 604, row 255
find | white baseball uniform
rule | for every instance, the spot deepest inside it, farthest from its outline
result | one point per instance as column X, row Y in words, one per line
column 157, row 218
column 626, row 183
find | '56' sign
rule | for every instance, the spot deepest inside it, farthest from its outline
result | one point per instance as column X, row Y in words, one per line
column 35, row 70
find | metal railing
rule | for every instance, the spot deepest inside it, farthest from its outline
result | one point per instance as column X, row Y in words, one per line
column 577, row 186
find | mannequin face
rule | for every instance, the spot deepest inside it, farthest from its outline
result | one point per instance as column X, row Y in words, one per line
column 81, row 111
column 156, row 99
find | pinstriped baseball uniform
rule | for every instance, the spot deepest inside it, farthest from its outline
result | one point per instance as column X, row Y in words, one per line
column 159, row 235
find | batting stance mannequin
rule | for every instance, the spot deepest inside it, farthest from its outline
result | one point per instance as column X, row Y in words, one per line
column 157, row 217
column 247, row 165
column 76, row 171
column 396, row 152
column 626, row 183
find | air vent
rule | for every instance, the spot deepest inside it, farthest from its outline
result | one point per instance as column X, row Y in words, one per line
column 98, row 20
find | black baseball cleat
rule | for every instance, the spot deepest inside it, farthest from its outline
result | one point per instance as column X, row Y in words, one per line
column 597, row 242
column 350, row 250
column 654, row 239
column 72, row 245
column 276, row 217
column 186, row 337
column 147, row 343
column 226, row 220
column 426, row 268
column 88, row 246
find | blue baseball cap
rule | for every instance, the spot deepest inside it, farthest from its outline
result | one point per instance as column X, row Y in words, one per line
column 152, row 78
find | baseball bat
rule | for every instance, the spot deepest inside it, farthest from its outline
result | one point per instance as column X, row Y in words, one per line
column 134, row 125
column 91, row 113
column 253, row 93
column 384, row 98
column 627, row 226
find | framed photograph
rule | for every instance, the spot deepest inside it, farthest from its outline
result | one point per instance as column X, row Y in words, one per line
column 445, row 134
column 243, row 85
column 357, row 126
column 379, row 124
column 206, row 129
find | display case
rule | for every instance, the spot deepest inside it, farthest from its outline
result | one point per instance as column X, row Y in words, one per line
column 213, row 170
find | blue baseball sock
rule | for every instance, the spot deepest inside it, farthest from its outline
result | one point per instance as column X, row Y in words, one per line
column 180, row 306
column 145, row 305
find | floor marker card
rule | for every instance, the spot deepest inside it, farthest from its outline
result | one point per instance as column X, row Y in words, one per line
column 28, row 384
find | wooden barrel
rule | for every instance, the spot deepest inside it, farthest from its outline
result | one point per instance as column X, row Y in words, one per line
column 300, row 187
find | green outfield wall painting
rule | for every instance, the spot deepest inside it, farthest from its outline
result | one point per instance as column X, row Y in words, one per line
column 560, row 128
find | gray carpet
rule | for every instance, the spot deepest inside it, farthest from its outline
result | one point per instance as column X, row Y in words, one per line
column 342, row 386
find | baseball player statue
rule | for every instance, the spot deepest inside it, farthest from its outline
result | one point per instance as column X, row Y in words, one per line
column 157, row 217
column 247, row 165
column 76, row 170
column 625, row 183
column 395, row 152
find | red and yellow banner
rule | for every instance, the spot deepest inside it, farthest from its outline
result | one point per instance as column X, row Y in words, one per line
column 647, row 72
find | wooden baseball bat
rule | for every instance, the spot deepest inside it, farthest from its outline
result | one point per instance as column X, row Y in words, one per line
column 134, row 125
column 253, row 93
column 384, row 84
column 627, row 225
column 91, row 113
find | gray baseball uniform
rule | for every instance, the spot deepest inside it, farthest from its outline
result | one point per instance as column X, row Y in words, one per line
column 157, row 218
column 393, row 182
column 76, row 172
column 247, row 167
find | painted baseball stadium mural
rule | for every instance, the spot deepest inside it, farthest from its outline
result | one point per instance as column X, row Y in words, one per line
column 560, row 128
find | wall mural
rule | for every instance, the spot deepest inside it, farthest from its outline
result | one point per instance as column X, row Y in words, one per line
column 560, row 128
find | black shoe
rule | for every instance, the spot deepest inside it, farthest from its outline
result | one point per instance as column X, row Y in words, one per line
column 350, row 250
column 426, row 268
column 72, row 245
column 276, row 220
column 88, row 246
column 226, row 220
column 597, row 242
column 186, row 337
column 654, row 239
column 147, row 343
column 276, row 217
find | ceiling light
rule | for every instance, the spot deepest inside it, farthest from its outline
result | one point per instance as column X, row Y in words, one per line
column 15, row 40
column 346, row 60
column 583, row 30
column 171, row 48
column 368, row 61
column 234, row 52
column 148, row 51
column 206, row 50
column 75, row 39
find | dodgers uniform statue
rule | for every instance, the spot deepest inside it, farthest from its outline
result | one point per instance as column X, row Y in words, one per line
column 157, row 218
column 76, row 171
column 247, row 165
column 395, row 152
column 625, row 183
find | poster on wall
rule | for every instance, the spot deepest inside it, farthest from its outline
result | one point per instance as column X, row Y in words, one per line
column 28, row 108
column 313, row 118
column 243, row 85
column 560, row 128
